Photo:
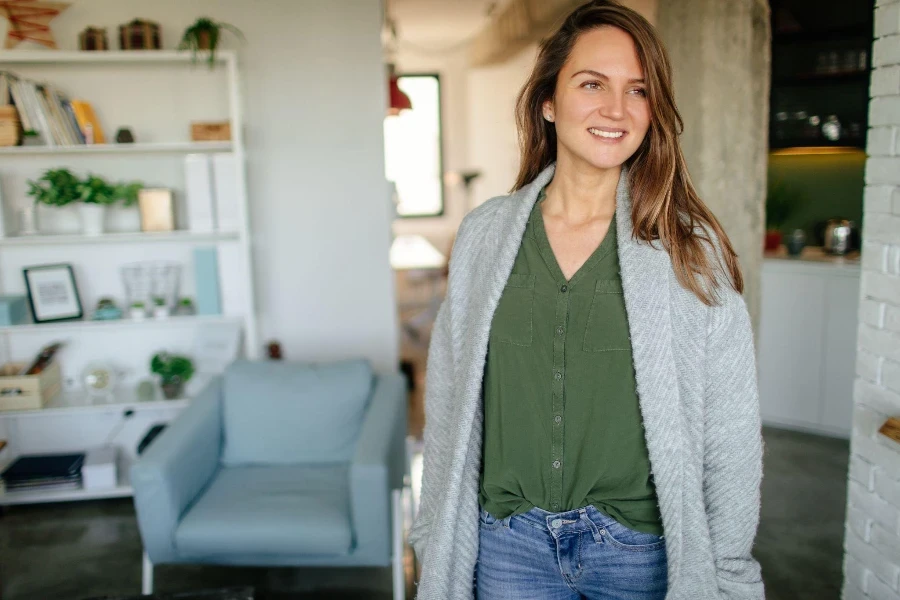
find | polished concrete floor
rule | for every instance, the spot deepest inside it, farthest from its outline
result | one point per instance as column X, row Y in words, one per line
column 92, row 549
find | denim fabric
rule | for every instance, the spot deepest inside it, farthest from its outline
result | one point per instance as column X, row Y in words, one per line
column 581, row 553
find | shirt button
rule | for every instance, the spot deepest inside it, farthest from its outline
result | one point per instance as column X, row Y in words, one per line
column 564, row 288
column 558, row 419
column 559, row 330
column 555, row 505
column 558, row 376
column 555, row 464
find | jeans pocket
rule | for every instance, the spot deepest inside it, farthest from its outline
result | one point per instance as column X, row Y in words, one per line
column 488, row 521
column 630, row 539
column 607, row 324
column 512, row 321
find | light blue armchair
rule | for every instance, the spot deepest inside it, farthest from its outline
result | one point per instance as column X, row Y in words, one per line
column 279, row 464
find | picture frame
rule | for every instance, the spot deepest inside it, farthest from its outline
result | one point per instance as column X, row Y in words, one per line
column 53, row 293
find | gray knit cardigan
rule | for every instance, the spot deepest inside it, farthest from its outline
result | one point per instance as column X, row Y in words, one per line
column 695, row 368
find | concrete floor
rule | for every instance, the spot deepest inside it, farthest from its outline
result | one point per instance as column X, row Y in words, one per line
column 92, row 549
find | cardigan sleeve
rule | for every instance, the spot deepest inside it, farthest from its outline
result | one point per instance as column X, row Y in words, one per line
column 733, row 448
column 438, row 394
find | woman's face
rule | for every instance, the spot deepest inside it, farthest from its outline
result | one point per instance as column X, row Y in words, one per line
column 600, row 106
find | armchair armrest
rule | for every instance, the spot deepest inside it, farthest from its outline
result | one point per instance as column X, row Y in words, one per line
column 379, row 464
column 175, row 467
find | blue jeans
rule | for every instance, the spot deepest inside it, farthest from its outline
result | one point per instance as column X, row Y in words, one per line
column 570, row 555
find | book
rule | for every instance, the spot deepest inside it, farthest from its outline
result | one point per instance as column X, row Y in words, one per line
column 42, row 466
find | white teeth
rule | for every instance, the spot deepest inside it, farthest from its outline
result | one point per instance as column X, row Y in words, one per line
column 606, row 134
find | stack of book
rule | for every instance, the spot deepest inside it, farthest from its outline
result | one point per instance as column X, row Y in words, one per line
column 47, row 111
column 44, row 472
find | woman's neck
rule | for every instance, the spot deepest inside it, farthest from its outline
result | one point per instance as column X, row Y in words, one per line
column 579, row 194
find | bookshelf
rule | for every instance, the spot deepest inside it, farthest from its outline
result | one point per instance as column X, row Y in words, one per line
column 157, row 94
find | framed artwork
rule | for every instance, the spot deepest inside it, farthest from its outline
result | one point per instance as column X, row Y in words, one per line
column 52, row 293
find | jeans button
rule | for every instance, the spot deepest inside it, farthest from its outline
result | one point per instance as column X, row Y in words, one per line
column 556, row 523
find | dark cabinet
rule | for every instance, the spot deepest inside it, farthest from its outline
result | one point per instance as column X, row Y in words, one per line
column 821, row 63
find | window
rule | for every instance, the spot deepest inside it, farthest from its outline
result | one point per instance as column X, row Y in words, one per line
column 413, row 158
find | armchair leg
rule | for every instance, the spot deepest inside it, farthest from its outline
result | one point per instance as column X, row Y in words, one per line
column 147, row 576
column 397, row 528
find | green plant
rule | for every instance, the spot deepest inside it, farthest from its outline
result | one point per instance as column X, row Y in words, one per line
column 55, row 187
column 137, row 304
column 782, row 201
column 128, row 192
column 30, row 133
column 95, row 190
column 186, row 301
column 204, row 35
column 159, row 301
column 172, row 368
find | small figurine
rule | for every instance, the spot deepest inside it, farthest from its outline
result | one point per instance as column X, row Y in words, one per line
column 274, row 350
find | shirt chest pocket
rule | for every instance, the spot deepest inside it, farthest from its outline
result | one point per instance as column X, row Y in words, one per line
column 513, row 321
column 607, row 324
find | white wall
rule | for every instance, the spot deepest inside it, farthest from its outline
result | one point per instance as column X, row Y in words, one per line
column 314, row 98
column 872, row 544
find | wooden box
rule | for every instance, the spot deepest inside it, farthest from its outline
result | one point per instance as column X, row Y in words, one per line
column 93, row 38
column 27, row 392
column 10, row 128
column 140, row 35
column 213, row 131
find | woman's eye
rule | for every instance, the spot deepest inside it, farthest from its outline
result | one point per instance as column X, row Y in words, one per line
column 640, row 91
column 591, row 85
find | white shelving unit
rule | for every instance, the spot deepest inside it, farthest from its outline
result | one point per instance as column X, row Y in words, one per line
column 157, row 94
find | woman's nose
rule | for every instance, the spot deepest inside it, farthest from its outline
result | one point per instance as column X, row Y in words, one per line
column 613, row 105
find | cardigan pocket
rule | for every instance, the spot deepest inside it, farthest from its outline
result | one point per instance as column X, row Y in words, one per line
column 607, row 324
column 513, row 319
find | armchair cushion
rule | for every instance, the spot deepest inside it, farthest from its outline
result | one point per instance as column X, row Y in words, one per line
column 282, row 412
column 282, row 510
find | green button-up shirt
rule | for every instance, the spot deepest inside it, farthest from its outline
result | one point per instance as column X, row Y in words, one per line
column 562, row 423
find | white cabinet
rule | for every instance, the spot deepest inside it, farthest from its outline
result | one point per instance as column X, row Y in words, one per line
column 807, row 344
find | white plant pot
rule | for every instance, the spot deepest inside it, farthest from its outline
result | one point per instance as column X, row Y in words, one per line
column 92, row 216
column 138, row 314
column 160, row 312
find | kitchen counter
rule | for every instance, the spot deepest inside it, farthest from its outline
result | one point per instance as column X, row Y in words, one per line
column 814, row 254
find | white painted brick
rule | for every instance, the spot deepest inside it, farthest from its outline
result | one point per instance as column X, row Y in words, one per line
column 886, row 51
column 881, row 512
column 874, row 254
column 876, row 398
column 862, row 473
column 880, row 566
column 879, row 590
column 884, row 111
column 850, row 591
column 876, row 196
column 885, row 81
column 879, row 341
column 880, row 286
column 866, row 421
column 855, row 572
column 895, row 200
column 893, row 260
column 886, row 458
column 885, row 2
column 872, row 312
column 887, row 20
column 890, row 375
column 887, row 488
column 868, row 366
column 860, row 523
column 886, row 542
column 882, row 142
column 884, row 169
column 881, row 227
column 892, row 318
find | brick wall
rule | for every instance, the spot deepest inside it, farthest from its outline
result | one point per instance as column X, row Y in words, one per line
column 872, row 542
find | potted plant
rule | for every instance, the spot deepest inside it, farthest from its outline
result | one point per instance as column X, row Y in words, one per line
column 30, row 137
column 185, row 307
column 160, row 310
column 782, row 201
column 55, row 187
column 94, row 195
column 137, row 310
column 204, row 35
column 174, row 371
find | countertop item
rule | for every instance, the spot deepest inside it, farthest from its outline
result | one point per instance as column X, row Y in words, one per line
column 815, row 254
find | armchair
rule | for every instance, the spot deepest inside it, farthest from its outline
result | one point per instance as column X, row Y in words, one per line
column 277, row 463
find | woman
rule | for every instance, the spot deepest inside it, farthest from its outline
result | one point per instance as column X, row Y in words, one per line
column 592, row 418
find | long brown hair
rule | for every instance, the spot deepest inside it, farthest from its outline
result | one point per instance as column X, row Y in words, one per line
column 665, row 205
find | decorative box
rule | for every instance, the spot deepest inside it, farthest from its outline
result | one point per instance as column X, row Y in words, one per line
column 213, row 131
column 93, row 38
column 13, row 310
column 28, row 392
column 9, row 125
column 99, row 469
column 140, row 35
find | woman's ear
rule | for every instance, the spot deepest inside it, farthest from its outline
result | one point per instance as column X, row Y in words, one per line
column 547, row 110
